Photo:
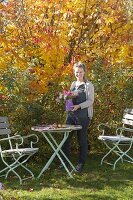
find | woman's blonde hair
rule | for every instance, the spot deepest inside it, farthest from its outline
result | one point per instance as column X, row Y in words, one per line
column 80, row 65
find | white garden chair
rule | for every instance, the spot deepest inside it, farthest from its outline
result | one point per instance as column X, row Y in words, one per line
column 12, row 151
column 121, row 143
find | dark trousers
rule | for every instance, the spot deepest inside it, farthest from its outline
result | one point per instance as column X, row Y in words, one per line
column 82, row 136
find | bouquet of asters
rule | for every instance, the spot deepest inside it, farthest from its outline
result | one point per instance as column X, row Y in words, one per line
column 67, row 96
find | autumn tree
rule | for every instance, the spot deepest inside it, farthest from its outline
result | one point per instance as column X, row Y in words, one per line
column 39, row 42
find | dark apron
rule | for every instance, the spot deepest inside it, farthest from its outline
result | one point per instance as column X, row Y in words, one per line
column 74, row 117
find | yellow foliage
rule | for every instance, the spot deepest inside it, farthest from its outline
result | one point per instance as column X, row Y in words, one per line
column 2, row 6
column 48, row 36
column 39, row 86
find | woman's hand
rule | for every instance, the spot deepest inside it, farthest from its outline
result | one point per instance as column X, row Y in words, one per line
column 75, row 107
column 75, row 93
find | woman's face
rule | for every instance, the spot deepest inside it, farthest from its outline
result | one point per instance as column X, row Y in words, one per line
column 79, row 73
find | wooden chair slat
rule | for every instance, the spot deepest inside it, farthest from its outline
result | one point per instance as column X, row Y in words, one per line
column 3, row 119
column 4, row 125
column 128, row 110
column 127, row 122
column 128, row 116
column 5, row 131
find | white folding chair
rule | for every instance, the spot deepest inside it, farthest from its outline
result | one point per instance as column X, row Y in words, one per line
column 12, row 150
column 121, row 143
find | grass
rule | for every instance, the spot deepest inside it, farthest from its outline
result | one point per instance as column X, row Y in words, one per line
column 95, row 183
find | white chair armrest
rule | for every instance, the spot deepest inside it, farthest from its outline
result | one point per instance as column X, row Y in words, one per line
column 121, row 130
column 103, row 128
column 15, row 137
column 34, row 140
column 33, row 136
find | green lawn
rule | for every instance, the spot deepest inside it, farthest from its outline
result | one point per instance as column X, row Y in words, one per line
column 95, row 183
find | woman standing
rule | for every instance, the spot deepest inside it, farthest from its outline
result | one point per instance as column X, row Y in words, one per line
column 81, row 114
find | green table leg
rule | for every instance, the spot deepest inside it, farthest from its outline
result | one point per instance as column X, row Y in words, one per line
column 52, row 141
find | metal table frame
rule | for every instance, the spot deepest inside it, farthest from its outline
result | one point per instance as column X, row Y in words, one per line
column 49, row 135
